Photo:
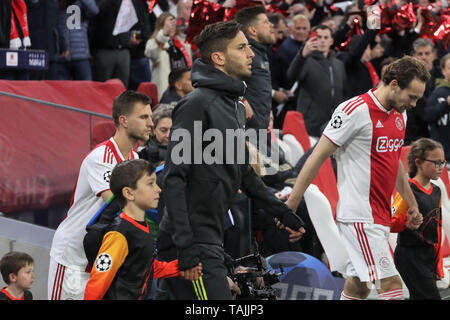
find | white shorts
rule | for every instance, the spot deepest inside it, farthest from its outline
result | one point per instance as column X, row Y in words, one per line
column 367, row 245
column 66, row 283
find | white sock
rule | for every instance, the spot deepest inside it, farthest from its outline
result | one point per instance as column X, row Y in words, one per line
column 396, row 294
column 347, row 297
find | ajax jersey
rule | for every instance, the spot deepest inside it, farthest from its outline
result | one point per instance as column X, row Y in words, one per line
column 93, row 180
column 369, row 139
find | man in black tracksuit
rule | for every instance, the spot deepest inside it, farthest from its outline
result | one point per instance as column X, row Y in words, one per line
column 260, row 34
column 198, row 193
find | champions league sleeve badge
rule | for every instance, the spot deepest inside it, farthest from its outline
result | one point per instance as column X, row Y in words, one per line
column 336, row 122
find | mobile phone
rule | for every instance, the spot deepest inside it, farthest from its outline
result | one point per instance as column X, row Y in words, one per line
column 312, row 34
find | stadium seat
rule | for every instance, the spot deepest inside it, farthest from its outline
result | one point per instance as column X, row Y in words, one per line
column 150, row 89
column 319, row 209
column 296, row 149
column 294, row 124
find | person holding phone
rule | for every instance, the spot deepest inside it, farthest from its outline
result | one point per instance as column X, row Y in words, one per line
column 320, row 77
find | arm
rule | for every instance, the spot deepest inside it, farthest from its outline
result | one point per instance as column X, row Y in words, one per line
column 164, row 269
column 152, row 49
column 324, row 149
column 177, row 177
column 297, row 65
column 403, row 188
column 90, row 8
column 115, row 245
column 254, row 187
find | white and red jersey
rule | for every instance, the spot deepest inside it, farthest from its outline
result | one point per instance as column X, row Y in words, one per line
column 369, row 139
column 93, row 179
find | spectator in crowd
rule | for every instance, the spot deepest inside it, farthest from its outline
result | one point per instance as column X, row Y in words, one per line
column 356, row 126
column 165, row 51
column 361, row 74
column 259, row 32
column 156, row 148
column 418, row 255
column 127, row 243
column 140, row 33
column 417, row 127
column 300, row 28
column 68, row 274
column 75, row 52
column 17, row 269
column 198, row 195
column 112, row 39
column 437, row 110
column 321, row 78
column 179, row 85
column 279, row 27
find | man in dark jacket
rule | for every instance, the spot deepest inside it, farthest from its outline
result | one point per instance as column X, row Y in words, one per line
column 437, row 111
column 112, row 41
column 321, row 78
column 198, row 193
column 260, row 35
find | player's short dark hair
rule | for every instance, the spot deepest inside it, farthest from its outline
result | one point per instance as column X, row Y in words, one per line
column 126, row 174
column 124, row 103
column 405, row 70
column 12, row 262
column 216, row 37
column 176, row 74
column 248, row 16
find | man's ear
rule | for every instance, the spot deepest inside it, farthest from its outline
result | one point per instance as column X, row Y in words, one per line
column 218, row 58
column 123, row 121
column 394, row 85
column 251, row 32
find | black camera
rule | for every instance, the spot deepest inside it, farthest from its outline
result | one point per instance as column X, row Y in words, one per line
column 254, row 280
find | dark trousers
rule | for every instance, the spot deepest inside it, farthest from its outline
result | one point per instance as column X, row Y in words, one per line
column 212, row 286
column 417, row 268
column 139, row 72
column 112, row 63
column 74, row 70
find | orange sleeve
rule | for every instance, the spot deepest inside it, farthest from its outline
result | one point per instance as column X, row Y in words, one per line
column 398, row 219
column 111, row 256
column 164, row 269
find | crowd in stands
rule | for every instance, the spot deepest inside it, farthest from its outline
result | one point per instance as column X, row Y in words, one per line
column 147, row 43
column 324, row 54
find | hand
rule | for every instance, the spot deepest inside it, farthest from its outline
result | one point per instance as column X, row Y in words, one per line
column 293, row 235
column 233, row 286
column 413, row 218
column 448, row 100
column 280, row 96
column 309, row 47
column 66, row 54
column 169, row 27
column 248, row 110
column 192, row 274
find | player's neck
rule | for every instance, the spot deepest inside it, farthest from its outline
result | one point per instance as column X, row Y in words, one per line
column 381, row 93
column 125, row 143
column 425, row 182
column 14, row 291
column 134, row 212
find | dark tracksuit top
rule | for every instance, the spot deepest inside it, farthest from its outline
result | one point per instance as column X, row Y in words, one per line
column 198, row 196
